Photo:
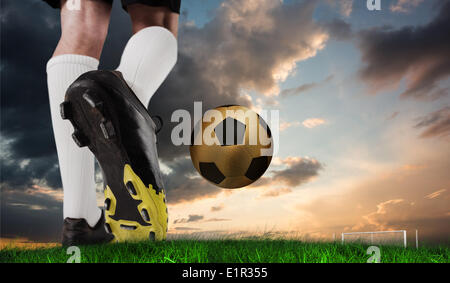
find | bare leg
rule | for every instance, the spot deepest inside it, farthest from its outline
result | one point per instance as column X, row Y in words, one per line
column 84, row 31
column 143, row 16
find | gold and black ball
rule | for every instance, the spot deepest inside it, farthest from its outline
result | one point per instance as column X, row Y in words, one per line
column 234, row 150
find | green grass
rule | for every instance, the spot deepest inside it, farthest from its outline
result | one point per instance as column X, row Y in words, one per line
column 229, row 251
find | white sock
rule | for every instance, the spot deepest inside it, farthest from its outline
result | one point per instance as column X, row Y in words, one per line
column 148, row 58
column 76, row 164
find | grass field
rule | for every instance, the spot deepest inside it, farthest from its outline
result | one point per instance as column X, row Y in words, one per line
column 228, row 251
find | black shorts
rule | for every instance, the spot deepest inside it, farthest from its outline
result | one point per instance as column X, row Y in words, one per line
column 173, row 5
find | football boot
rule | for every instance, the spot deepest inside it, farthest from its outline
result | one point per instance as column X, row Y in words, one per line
column 110, row 120
column 78, row 232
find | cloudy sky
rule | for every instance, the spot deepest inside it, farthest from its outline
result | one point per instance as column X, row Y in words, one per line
column 364, row 115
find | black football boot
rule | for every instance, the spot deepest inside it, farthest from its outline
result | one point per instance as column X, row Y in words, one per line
column 78, row 232
column 110, row 120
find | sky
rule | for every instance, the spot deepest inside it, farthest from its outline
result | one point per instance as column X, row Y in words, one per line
column 364, row 107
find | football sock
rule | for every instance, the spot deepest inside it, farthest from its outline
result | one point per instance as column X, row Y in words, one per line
column 76, row 164
column 148, row 58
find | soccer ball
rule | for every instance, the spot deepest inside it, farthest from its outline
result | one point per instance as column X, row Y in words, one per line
column 231, row 147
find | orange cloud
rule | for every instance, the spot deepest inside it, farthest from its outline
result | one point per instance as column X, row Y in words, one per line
column 275, row 192
column 37, row 190
column 313, row 122
column 346, row 7
column 286, row 125
column 435, row 194
column 404, row 6
column 412, row 167
column 374, row 218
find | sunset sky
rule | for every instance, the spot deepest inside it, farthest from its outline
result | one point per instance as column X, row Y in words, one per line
column 364, row 107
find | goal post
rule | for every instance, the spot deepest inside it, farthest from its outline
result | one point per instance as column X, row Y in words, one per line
column 380, row 237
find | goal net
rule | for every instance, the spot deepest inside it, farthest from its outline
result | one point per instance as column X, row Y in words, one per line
column 384, row 238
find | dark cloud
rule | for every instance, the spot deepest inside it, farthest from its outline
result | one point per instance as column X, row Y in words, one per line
column 22, row 173
column 419, row 54
column 298, row 90
column 275, row 192
column 217, row 220
column 436, row 124
column 297, row 172
column 304, row 87
column 25, row 113
column 217, row 207
column 300, row 171
column 33, row 215
column 339, row 29
column 187, row 229
column 198, row 218
column 393, row 116
column 191, row 218
column 184, row 183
